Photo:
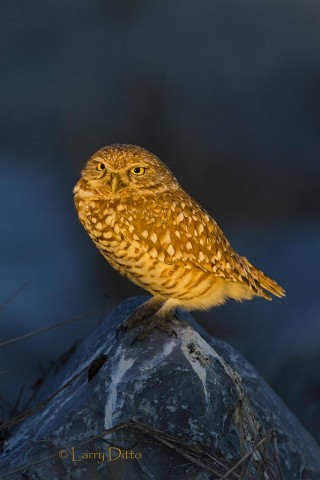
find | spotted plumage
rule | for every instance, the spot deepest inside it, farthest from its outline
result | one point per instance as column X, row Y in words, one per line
column 154, row 233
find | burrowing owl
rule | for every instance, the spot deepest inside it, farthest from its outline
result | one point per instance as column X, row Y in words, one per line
column 155, row 234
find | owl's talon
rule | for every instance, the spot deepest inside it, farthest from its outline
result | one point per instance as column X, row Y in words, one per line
column 173, row 333
column 140, row 315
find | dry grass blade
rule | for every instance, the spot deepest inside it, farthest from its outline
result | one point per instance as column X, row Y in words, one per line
column 15, row 407
column 245, row 457
column 46, row 329
column 5, row 303
column 275, row 441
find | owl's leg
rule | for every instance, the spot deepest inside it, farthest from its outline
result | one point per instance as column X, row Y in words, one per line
column 162, row 320
column 141, row 314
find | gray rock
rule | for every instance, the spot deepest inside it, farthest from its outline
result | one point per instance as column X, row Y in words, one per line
column 186, row 407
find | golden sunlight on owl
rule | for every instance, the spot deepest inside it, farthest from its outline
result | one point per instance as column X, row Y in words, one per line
column 150, row 230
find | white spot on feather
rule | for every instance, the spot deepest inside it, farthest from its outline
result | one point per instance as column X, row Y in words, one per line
column 201, row 257
column 161, row 257
column 170, row 250
column 180, row 217
column 154, row 252
column 154, row 237
column 131, row 250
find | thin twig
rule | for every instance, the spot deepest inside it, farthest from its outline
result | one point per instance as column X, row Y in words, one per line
column 244, row 458
column 46, row 329
column 264, row 451
column 18, row 400
column 245, row 466
column 5, row 303
column 275, row 441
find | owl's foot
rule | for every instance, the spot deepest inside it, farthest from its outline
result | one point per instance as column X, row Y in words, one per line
column 161, row 322
column 140, row 315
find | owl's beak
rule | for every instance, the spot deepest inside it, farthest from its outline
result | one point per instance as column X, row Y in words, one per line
column 115, row 183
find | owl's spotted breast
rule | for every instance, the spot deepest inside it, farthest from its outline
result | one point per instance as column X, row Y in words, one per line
column 108, row 231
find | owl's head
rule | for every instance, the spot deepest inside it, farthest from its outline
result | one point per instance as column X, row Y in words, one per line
column 120, row 169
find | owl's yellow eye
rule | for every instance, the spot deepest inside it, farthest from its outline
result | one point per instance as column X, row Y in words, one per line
column 138, row 170
column 101, row 166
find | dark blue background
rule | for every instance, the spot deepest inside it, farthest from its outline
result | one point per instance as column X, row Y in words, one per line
column 227, row 93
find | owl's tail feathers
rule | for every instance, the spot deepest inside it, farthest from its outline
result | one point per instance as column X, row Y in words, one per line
column 270, row 285
column 261, row 283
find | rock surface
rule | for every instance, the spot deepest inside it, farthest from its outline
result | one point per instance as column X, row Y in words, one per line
column 186, row 407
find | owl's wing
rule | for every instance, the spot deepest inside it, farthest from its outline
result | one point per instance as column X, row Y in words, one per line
column 180, row 232
column 177, row 231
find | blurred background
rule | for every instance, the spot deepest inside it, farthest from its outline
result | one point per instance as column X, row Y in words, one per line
column 227, row 93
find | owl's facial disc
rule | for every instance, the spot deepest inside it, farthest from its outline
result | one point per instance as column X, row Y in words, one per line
column 122, row 170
